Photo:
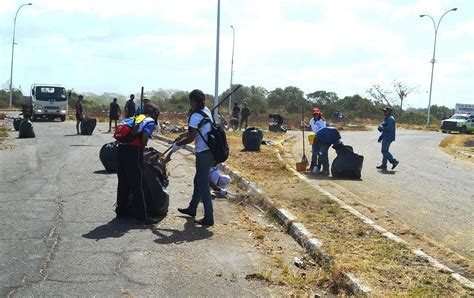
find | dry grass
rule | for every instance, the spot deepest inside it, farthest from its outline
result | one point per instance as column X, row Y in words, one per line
column 4, row 131
column 388, row 267
column 459, row 146
column 418, row 127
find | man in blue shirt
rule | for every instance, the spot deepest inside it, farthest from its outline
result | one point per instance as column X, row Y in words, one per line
column 325, row 137
column 387, row 136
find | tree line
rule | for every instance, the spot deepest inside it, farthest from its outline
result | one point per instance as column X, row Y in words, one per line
column 287, row 101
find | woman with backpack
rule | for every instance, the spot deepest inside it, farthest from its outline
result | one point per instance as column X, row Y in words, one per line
column 198, row 128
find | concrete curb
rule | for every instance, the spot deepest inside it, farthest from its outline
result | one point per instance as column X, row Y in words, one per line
column 418, row 252
column 294, row 228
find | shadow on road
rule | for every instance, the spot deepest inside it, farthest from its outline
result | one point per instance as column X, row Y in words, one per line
column 190, row 233
column 72, row 135
column 322, row 177
column 104, row 172
column 115, row 228
column 387, row 172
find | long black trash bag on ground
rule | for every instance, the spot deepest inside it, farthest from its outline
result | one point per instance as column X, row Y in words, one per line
column 155, row 182
column 108, row 156
column 347, row 164
column 88, row 126
column 26, row 129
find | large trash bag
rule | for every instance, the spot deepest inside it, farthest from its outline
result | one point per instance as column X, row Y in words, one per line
column 347, row 164
column 16, row 123
column 26, row 129
column 252, row 139
column 108, row 156
column 156, row 182
column 88, row 126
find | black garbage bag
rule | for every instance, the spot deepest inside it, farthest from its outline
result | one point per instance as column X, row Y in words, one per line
column 155, row 182
column 16, row 123
column 347, row 164
column 252, row 139
column 26, row 129
column 88, row 126
column 108, row 156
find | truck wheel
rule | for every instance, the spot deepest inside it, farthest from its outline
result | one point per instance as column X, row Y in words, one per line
column 63, row 118
column 444, row 131
column 463, row 130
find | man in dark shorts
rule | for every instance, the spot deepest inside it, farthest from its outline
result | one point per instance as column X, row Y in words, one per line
column 79, row 113
column 114, row 113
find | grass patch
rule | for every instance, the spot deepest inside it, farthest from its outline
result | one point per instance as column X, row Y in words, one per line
column 459, row 146
column 4, row 131
column 418, row 127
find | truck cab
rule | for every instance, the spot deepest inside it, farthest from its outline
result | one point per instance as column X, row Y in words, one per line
column 48, row 101
column 464, row 123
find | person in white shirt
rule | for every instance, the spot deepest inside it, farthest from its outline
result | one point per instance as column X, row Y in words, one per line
column 316, row 123
column 198, row 128
column 218, row 181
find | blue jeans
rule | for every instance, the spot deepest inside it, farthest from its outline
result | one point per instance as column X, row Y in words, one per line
column 323, row 156
column 204, row 162
column 314, row 156
column 386, row 154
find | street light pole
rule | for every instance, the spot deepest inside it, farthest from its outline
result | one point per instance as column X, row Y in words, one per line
column 13, row 51
column 231, row 70
column 216, row 89
column 436, row 27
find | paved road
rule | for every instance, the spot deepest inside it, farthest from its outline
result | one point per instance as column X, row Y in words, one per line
column 429, row 191
column 58, row 235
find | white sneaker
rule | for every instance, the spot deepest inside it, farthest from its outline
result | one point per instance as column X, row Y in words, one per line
column 315, row 170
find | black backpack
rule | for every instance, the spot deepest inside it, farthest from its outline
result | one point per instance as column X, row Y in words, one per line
column 216, row 139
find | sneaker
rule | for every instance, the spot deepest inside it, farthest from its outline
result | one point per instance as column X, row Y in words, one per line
column 187, row 211
column 395, row 164
column 381, row 167
column 204, row 222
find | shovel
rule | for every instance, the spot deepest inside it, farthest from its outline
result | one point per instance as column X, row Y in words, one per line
column 301, row 166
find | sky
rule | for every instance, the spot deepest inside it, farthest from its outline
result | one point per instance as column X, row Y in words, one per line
column 340, row 46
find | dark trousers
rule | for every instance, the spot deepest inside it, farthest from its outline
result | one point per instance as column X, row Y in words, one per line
column 244, row 119
column 130, row 180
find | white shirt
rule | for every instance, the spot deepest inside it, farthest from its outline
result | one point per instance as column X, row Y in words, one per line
column 316, row 125
column 196, row 118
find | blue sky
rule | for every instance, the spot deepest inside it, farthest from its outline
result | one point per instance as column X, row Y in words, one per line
column 342, row 46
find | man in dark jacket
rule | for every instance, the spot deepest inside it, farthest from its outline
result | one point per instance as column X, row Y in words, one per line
column 130, row 107
column 387, row 136
column 114, row 113
column 244, row 116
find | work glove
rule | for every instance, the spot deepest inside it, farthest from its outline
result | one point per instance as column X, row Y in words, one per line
column 223, row 192
column 380, row 139
column 380, row 128
column 175, row 147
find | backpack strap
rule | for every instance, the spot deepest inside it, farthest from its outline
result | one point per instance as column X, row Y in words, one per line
column 205, row 120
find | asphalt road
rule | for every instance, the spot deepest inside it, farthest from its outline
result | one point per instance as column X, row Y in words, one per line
column 429, row 191
column 58, row 235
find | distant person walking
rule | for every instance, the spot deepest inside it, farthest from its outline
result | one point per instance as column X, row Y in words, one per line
column 79, row 113
column 130, row 107
column 317, row 123
column 234, row 122
column 114, row 113
column 244, row 116
column 387, row 136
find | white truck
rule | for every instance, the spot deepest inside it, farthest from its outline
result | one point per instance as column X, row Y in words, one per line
column 462, row 120
column 46, row 101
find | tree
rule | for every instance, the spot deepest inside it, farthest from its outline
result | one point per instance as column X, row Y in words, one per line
column 323, row 98
column 381, row 96
column 402, row 90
